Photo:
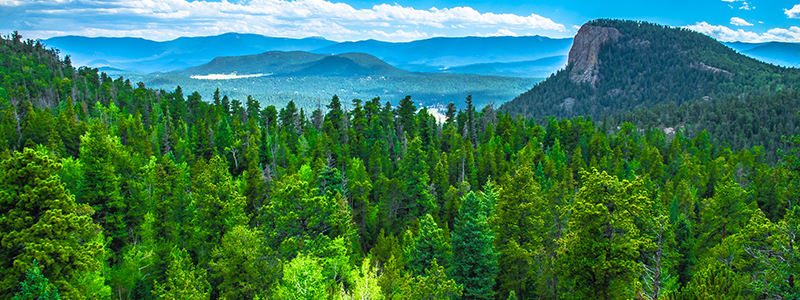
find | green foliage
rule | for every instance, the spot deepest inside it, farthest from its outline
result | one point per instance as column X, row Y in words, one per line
column 302, row 279
column 434, row 284
column 430, row 244
column 36, row 286
column 184, row 280
column 602, row 241
column 474, row 260
column 42, row 221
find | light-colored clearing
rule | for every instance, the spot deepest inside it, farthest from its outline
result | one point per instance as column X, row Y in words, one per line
column 226, row 76
column 440, row 118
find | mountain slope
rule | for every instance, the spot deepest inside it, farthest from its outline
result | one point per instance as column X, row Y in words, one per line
column 617, row 66
column 149, row 56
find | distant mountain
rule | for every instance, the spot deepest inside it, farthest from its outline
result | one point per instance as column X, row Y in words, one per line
column 616, row 66
column 297, row 64
column 782, row 54
column 448, row 51
column 540, row 68
column 778, row 53
column 275, row 77
column 149, row 56
column 742, row 46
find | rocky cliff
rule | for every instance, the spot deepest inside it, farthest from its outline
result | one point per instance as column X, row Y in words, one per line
column 585, row 47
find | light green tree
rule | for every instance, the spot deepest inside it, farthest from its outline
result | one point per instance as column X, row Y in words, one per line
column 183, row 280
column 602, row 242
column 42, row 221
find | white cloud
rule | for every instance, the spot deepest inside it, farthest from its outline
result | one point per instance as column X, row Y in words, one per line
column 740, row 22
column 793, row 13
column 745, row 4
column 167, row 19
column 725, row 34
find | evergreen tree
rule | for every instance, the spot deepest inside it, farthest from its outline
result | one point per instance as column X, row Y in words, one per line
column 100, row 184
column 429, row 245
column 42, row 221
column 474, row 260
column 36, row 286
column 602, row 241
column 183, row 280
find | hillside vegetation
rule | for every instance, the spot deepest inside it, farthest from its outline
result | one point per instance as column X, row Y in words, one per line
column 651, row 64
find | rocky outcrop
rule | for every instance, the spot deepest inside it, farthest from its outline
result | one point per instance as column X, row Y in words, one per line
column 585, row 47
column 705, row 67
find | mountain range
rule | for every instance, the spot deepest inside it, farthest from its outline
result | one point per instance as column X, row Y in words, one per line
column 435, row 55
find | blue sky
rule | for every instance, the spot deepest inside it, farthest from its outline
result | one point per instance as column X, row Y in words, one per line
column 399, row 20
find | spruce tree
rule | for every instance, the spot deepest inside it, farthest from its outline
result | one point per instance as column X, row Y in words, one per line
column 474, row 260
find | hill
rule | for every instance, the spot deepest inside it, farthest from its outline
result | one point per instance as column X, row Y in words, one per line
column 616, row 66
column 149, row 56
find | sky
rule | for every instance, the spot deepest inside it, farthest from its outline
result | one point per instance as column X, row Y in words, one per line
column 395, row 21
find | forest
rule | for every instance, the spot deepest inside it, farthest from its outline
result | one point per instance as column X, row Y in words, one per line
column 112, row 190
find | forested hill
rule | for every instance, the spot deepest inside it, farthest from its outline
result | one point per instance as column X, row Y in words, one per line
column 616, row 66
column 112, row 190
column 296, row 63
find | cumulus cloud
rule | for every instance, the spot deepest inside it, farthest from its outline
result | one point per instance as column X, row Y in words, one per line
column 740, row 22
column 168, row 19
column 793, row 13
column 725, row 34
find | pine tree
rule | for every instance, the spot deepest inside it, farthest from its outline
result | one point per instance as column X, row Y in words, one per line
column 428, row 245
column 415, row 174
column 183, row 280
column 520, row 228
column 602, row 241
column 100, row 184
column 218, row 206
column 42, row 221
column 243, row 264
column 36, row 286
column 474, row 260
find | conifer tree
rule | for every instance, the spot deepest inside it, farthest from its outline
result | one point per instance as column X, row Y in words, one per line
column 42, row 221
column 36, row 286
column 183, row 280
column 602, row 241
column 100, row 184
column 474, row 260
column 415, row 175
column 430, row 244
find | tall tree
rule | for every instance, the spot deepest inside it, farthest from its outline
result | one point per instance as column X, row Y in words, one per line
column 100, row 184
column 474, row 260
column 602, row 241
column 42, row 221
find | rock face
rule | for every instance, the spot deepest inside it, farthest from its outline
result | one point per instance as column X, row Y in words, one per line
column 585, row 47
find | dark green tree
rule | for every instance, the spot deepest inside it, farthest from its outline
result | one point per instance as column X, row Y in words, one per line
column 474, row 259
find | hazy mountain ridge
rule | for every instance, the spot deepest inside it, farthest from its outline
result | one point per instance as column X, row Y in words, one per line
column 148, row 56
column 430, row 55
